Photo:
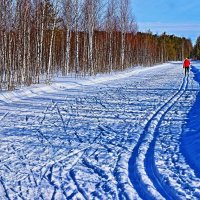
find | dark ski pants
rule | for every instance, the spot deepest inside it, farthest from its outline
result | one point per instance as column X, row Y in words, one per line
column 186, row 71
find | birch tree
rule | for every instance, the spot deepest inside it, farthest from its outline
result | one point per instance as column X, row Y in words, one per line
column 23, row 30
column 52, row 10
column 91, row 11
column 67, row 24
column 6, row 22
column 110, row 25
column 77, row 15
column 124, row 17
column 38, row 24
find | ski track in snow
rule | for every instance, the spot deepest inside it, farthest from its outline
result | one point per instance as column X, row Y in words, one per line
column 143, row 155
column 112, row 137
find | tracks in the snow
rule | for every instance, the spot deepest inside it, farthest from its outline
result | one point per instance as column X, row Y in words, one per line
column 142, row 170
column 77, row 144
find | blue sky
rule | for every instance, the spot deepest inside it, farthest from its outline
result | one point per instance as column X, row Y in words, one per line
column 178, row 17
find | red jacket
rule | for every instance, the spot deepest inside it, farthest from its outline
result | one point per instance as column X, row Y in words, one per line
column 186, row 63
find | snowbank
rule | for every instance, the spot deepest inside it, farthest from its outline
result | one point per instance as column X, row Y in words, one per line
column 69, row 82
column 196, row 70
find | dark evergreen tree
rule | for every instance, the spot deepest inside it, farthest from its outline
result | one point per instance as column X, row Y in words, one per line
column 196, row 50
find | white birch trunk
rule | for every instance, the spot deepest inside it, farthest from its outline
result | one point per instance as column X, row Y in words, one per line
column 68, row 46
column 51, row 51
column 122, row 49
column 40, row 38
column 24, row 53
column 77, row 35
column 91, row 52
column 110, row 52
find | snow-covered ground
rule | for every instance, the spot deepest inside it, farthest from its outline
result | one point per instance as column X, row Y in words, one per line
column 127, row 135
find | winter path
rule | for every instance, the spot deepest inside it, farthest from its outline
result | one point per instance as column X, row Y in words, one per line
column 122, row 136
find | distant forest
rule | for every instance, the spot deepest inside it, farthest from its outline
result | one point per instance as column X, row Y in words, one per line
column 39, row 38
column 196, row 49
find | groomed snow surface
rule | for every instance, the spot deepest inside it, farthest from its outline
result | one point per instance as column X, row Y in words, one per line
column 128, row 135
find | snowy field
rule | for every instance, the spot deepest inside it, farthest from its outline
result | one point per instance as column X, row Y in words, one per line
column 128, row 135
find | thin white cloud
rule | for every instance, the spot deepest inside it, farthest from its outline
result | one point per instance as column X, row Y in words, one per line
column 169, row 27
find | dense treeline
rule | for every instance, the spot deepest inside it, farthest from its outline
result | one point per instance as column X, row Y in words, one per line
column 43, row 37
column 196, row 50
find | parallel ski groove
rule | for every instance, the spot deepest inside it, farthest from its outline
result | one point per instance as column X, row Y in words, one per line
column 139, row 155
column 149, row 160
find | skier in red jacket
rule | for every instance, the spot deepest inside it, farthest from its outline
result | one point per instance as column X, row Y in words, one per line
column 186, row 65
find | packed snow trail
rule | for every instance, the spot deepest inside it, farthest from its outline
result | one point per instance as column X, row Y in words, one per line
column 116, row 136
column 143, row 154
column 152, row 128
